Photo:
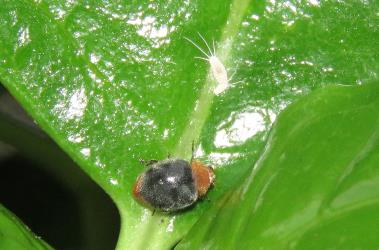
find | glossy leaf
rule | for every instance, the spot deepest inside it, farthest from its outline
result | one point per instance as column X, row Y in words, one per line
column 15, row 235
column 315, row 186
column 115, row 82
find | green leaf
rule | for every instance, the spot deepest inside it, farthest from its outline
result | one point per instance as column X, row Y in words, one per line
column 115, row 82
column 15, row 235
column 315, row 187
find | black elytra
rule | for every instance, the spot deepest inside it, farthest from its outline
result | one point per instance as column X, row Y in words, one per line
column 169, row 185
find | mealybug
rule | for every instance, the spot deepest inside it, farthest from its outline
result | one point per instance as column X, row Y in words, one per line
column 218, row 69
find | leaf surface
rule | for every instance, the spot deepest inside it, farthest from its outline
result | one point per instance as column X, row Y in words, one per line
column 315, row 186
column 15, row 235
column 115, row 82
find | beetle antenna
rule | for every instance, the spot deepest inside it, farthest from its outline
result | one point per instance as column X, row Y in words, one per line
column 193, row 150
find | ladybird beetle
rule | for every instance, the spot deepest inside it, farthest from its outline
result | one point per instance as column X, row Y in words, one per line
column 173, row 184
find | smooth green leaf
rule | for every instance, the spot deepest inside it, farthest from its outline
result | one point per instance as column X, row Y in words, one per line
column 15, row 235
column 315, row 187
column 113, row 82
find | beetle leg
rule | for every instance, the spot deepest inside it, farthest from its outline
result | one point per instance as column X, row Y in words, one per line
column 147, row 162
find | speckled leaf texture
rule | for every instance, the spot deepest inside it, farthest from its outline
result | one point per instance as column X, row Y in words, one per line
column 113, row 82
column 316, row 186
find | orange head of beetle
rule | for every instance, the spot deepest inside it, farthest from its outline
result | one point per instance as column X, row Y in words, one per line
column 203, row 175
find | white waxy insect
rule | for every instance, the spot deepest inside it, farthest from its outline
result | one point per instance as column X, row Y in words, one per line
column 218, row 69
